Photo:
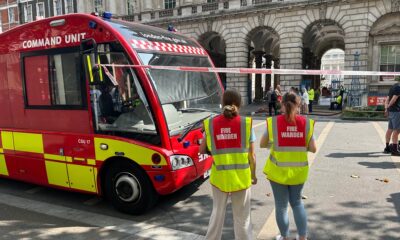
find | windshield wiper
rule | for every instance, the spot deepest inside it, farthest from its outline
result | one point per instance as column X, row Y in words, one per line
column 183, row 135
column 194, row 110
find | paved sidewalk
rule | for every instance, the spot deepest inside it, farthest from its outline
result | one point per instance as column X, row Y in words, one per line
column 347, row 197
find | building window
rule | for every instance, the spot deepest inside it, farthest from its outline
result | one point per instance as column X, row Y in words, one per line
column 98, row 5
column 390, row 58
column 57, row 5
column 52, row 81
column 11, row 15
column 69, row 6
column 28, row 13
column 131, row 7
column 40, row 14
column 168, row 4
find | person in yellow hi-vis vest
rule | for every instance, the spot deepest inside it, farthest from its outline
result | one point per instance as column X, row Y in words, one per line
column 230, row 140
column 291, row 137
column 311, row 98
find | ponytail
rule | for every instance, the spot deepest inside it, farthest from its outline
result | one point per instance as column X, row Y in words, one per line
column 231, row 101
column 230, row 111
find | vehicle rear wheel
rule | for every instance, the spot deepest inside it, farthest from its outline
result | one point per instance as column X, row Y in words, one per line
column 129, row 189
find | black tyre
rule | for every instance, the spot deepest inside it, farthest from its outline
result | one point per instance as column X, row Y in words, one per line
column 128, row 188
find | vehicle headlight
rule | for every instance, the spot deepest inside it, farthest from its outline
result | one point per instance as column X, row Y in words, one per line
column 180, row 161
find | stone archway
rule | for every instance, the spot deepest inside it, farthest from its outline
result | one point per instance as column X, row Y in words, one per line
column 318, row 38
column 216, row 48
column 264, row 49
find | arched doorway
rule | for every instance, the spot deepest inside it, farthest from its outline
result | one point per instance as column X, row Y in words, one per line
column 332, row 59
column 318, row 38
column 216, row 48
column 264, row 52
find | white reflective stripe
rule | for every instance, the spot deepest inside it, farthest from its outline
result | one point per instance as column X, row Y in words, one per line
column 230, row 150
column 307, row 129
column 287, row 164
column 232, row 166
column 211, row 129
column 243, row 133
column 275, row 142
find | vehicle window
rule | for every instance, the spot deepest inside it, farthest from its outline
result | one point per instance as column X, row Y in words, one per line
column 119, row 104
column 53, row 80
column 37, row 81
column 65, row 84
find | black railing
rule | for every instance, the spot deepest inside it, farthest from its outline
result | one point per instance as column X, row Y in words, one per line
column 209, row 7
column 166, row 13
column 257, row 2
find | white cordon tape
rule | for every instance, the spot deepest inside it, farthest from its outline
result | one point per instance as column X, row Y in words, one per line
column 259, row 71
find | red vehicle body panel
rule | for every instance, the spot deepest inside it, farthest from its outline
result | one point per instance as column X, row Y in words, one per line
column 70, row 132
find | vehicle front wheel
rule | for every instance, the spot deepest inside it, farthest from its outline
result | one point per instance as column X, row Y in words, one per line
column 129, row 189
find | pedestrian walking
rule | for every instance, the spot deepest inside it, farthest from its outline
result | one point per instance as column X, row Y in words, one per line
column 311, row 98
column 291, row 137
column 230, row 140
column 279, row 93
column 272, row 98
column 392, row 111
column 305, row 100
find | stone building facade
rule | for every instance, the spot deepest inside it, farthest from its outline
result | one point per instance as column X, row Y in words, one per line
column 31, row 10
column 291, row 34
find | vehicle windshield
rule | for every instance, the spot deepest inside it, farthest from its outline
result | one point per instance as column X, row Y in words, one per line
column 186, row 97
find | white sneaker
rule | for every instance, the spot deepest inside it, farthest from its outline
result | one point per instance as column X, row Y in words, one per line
column 298, row 237
column 279, row 237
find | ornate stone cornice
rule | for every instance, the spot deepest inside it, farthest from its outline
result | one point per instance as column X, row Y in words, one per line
column 393, row 29
column 254, row 10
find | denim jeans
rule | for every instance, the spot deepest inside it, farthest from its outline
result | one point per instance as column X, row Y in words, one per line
column 292, row 194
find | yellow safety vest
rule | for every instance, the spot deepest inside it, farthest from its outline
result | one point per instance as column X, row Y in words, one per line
column 339, row 99
column 230, row 171
column 311, row 94
column 287, row 165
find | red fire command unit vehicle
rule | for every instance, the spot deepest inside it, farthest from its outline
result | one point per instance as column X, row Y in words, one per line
column 78, row 114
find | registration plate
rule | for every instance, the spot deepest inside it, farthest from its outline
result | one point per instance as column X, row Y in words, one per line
column 207, row 173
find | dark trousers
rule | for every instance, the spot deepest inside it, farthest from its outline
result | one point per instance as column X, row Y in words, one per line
column 310, row 106
column 270, row 106
column 336, row 105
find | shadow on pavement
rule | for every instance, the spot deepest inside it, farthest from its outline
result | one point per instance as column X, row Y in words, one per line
column 342, row 224
column 191, row 212
column 360, row 155
column 395, row 199
column 380, row 165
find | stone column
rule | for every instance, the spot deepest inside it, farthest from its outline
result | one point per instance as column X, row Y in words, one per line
column 237, row 56
column 291, row 58
column 258, row 88
column 268, row 65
